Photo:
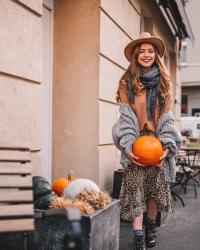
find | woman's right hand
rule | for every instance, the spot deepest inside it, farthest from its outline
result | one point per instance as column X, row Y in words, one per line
column 133, row 158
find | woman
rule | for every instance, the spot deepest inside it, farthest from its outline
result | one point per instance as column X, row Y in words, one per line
column 145, row 99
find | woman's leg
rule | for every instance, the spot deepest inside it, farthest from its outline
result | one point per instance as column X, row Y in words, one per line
column 137, row 222
column 150, row 227
column 139, row 237
column 132, row 193
column 152, row 209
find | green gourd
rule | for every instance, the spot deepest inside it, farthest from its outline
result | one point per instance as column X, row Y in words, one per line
column 41, row 187
column 44, row 201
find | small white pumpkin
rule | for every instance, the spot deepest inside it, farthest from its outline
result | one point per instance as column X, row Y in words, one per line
column 75, row 187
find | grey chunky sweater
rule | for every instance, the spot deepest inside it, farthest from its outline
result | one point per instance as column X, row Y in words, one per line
column 126, row 130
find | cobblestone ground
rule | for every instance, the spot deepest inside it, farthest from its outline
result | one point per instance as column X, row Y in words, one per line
column 179, row 231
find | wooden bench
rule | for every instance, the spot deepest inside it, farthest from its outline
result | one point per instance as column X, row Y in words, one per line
column 17, row 211
column 16, row 195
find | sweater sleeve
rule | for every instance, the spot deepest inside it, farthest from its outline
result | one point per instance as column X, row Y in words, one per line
column 126, row 129
column 168, row 133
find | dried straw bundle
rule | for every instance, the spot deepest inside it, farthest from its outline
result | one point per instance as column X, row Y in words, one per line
column 96, row 199
column 83, row 206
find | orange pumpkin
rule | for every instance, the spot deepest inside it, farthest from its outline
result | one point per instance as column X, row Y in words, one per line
column 149, row 150
column 59, row 184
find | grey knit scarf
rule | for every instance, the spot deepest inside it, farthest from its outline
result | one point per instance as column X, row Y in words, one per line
column 150, row 80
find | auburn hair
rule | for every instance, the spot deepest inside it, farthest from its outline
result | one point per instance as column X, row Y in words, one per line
column 164, row 87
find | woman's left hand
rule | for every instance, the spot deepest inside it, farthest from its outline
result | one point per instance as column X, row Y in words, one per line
column 162, row 158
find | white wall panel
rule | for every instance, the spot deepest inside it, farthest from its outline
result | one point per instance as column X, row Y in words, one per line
column 20, row 111
column 190, row 75
column 108, row 162
column 35, row 5
column 107, row 117
column 112, row 41
column 136, row 4
column 21, row 34
column 124, row 15
column 109, row 76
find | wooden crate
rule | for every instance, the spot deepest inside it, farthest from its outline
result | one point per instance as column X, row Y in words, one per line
column 16, row 195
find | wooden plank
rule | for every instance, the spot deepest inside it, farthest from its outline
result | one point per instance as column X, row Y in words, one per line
column 15, row 168
column 16, row 210
column 14, row 155
column 13, row 195
column 15, row 181
column 19, row 144
column 17, row 225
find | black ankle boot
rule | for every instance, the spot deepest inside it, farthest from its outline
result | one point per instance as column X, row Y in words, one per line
column 139, row 242
column 150, row 234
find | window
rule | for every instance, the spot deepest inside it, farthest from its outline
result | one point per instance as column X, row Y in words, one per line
column 196, row 112
column 184, row 104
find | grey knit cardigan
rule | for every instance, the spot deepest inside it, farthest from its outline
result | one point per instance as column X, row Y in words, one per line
column 126, row 130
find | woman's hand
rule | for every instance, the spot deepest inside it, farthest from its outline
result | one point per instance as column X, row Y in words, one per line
column 162, row 158
column 134, row 159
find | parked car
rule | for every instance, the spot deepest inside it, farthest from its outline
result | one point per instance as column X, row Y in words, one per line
column 190, row 126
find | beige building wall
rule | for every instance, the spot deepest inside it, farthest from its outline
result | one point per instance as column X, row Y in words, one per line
column 20, row 74
column 190, row 77
column 119, row 23
column 89, row 39
column 75, row 89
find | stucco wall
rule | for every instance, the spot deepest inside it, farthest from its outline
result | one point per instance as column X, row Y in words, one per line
column 94, row 34
column 89, row 38
column 20, row 74
column 192, row 9
column 75, row 100
column 190, row 76
column 119, row 23
column 20, row 43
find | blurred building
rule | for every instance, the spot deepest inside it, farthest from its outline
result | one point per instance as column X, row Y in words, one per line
column 60, row 65
column 190, row 62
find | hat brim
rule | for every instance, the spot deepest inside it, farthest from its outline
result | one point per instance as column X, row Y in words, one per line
column 157, row 42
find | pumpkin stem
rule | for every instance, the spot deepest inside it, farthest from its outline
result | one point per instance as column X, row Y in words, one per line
column 70, row 175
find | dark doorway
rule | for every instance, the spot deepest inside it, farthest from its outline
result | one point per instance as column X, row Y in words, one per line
column 184, row 104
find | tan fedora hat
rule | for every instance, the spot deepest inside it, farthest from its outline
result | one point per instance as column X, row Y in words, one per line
column 145, row 37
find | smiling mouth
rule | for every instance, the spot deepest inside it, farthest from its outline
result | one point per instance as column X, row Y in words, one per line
column 146, row 61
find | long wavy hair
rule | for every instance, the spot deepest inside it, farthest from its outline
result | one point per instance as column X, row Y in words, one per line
column 164, row 87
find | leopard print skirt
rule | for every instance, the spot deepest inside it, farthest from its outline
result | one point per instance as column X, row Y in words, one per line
column 140, row 184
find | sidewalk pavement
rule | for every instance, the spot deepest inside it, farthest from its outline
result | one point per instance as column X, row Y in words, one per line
column 179, row 231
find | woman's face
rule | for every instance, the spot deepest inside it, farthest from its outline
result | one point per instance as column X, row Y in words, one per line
column 146, row 56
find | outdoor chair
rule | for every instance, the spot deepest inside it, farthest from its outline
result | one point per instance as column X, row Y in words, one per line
column 16, row 197
column 191, row 166
column 184, row 173
column 193, row 161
